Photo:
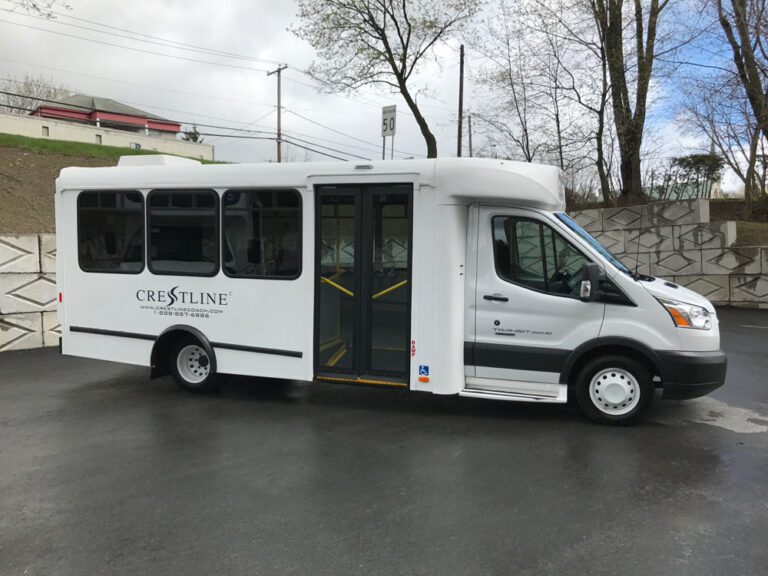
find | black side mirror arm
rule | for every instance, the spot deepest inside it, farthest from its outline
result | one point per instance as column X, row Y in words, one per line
column 591, row 274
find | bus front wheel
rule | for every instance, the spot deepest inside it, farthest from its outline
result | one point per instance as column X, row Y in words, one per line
column 192, row 367
column 614, row 389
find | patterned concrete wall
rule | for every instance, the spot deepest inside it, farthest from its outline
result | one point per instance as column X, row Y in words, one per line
column 676, row 241
column 28, row 292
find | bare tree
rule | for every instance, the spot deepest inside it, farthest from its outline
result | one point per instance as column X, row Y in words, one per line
column 726, row 102
column 583, row 77
column 745, row 24
column 364, row 42
column 717, row 107
column 513, row 113
column 630, row 72
column 24, row 96
column 42, row 8
column 548, row 77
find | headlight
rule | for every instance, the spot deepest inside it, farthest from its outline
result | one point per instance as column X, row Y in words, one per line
column 687, row 315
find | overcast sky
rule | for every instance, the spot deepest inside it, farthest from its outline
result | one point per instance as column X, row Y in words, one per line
column 232, row 92
column 94, row 49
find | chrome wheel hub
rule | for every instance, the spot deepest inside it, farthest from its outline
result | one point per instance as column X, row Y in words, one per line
column 193, row 364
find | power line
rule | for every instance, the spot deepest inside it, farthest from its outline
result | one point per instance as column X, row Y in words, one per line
column 321, row 146
column 168, row 42
column 197, row 48
column 59, row 102
column 238, row 136
column 373, row 146
column 340, row 132
column 272, row 136
column 317, row 151
column 284, row 140
column 132, row 83
column 187, row 122
column 132, row 36
column 191, row 47
column 154, row 53
column 15, row 107
column 358, row 98
column 257, row 120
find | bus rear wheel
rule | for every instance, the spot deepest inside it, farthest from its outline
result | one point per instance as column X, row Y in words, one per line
column 191, row 367
column 614, row 389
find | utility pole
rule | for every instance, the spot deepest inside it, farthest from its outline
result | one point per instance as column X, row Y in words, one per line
column 461, row 99
column 279, row 134
column 469, row 130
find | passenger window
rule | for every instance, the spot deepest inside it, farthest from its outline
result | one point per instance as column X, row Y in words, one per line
column 110, row 232
column 262, row 234
column 568, row 268
column 184, row 232
column 532, row 254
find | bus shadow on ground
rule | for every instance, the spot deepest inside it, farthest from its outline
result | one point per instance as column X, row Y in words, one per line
column 387, row 400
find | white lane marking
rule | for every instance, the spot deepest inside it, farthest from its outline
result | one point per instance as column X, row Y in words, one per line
column 753, row 326
column 713, row 413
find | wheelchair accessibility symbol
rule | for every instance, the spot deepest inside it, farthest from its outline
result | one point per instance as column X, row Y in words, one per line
column 423, row 370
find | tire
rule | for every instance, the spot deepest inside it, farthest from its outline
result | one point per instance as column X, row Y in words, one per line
column 191, row 366
column 614, row 389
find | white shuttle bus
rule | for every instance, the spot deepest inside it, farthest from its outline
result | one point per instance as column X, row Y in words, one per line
column 451, row 276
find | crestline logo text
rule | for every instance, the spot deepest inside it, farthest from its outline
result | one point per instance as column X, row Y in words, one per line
column 185, row 297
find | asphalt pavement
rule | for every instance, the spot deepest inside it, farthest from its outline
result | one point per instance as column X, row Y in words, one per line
column 103, row 471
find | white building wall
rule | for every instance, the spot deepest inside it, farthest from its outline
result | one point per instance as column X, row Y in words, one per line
column 36, row 127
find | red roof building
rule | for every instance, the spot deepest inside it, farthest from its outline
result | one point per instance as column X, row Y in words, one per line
column 106, row 113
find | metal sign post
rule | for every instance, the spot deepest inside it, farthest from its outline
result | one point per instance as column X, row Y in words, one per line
column 388, row 124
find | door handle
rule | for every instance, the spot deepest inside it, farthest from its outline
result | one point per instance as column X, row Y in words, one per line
column 496, row 298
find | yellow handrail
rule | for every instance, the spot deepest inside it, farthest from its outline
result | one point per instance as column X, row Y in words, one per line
column 337, row 286
column 336, row 275
column 387, row 290
column 337, row 355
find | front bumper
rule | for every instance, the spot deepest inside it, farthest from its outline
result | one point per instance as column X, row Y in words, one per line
column 692, row 374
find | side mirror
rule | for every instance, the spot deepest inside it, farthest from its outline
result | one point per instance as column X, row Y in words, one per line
column 590, row 283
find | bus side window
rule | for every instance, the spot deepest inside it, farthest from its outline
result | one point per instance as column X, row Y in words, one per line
column 262, row 233
column 110, row 231
column 532, row 254
column 183, row 232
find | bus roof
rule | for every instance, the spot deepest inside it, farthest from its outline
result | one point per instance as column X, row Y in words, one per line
column 458, row 180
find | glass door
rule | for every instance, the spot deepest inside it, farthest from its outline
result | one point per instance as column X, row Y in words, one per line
column 338, row 280
column 389, row 325
column 363, row 291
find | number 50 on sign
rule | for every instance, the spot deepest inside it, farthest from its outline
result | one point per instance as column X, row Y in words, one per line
column 388, row 120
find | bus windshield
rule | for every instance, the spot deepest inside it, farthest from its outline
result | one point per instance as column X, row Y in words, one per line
column 571, row 223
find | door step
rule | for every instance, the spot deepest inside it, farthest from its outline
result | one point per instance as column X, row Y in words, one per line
column 560, row 398
column 358, row 380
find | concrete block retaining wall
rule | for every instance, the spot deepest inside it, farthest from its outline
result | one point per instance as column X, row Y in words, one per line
column 677, row 242
column 28, row 292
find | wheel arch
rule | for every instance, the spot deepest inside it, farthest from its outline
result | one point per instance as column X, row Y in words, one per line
column 612, row 345
column 167, row 339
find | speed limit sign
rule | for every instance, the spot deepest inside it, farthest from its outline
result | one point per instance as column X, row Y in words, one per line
column 388, row 120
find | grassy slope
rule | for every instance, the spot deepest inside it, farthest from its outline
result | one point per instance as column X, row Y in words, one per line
column 66, row 148
column 28, row 171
